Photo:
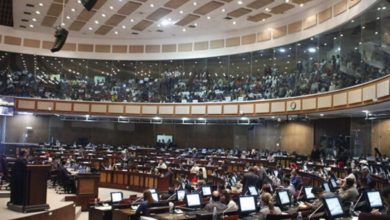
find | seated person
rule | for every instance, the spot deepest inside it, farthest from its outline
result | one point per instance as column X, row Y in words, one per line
column 143, row 208
column 286, row 184
column 215, row 202
column 269, row 207
column 318, row 192
column 348, row 191
column 386, row 198
column 295, row 179
column 227, row 200
column 161, row 165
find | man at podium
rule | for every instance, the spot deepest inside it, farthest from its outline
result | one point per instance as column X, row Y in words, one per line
column 17, row 183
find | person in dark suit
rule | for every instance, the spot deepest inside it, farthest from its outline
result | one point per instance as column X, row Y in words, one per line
column 249, row 179
column 3, row 168
column 215, row 202
column 17, row 183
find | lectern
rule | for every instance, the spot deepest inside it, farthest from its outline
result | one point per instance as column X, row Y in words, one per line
column 29, row 188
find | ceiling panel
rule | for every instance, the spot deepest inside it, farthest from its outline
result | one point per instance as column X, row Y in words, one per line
column 259, row 17
column 282, row 8
column 86, row 15
column 239, row 12
column 103, row 30
column 174, row 4
column 158, row 14
column 301, row 1
column 208, row 7
column 54, row 10
column 60, row 1
column 227, row 0
column 142, row 25
column 259, row 3
column 187, row 19
column 114, row 20
column 99, row 4
column 77, row 25
column 49, row 21
column 129, row 8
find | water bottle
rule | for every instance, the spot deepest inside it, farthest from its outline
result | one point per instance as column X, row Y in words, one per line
column 215, row 216
column 299, row 217
column 171, row 207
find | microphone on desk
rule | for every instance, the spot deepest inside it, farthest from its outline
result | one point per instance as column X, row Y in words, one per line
column 315, row 211
column 137, row 200
column 172, row 196
column 360, row 197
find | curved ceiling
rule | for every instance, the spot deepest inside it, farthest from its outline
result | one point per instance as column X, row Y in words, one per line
column 154, row 19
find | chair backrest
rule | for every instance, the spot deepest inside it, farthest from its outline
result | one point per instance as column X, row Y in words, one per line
column 277, row 217
column 230, row 217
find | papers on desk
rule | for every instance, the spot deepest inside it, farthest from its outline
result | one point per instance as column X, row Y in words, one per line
column 178, row 211
column 134, row 207
column 103, row 208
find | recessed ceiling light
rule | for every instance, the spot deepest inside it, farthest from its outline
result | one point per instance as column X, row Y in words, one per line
column 131, row 20
column 239, row 2
column 152, row 5
column 41, row 4
column 322, row 115
column 111, row 7
column 62, row 24
column 96, row 22
column 103, row 15
column 267, row 9
column 34, row 19
column 68, row 17
column 184, row 30
column 123, row 26
column 181, row 12
column 223, row 10
column 79, row 1
column 208, row 17
column 194, row 3
column 234, row 22
column 301, row 5
column 31, row 25
column 90, row 28
column 116, row 32
column 38, row 12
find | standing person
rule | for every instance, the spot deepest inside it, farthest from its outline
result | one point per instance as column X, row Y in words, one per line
column 249, row 179
column 17, row 179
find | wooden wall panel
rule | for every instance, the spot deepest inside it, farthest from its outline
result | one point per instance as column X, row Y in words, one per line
column 308, row 104
column 295, row 27
column 214, row 109
column 278, row 106
column 233, row 42
column 185, row 47
column 17, row 41
column 340, row 99
column 166, row 109
column 63, row 106
column 324, row 101
column 119, row 48
column 99, row 108
column 153, row 48
column 279, row 32
column 168, row 48
column 116, row 109
column 247, row 108
column 133, row 109
column 80, row 107
column 204, row 45
column 248, row 39
column 136, row 49
column 26, row 104
column 309, row 22
column 46, row 106
column 69, row 47
column 215, row 44
column 325, row 15
column 382, row 89
column 264, row 36
column 198, row 109
column 369, row 92
column 182, row 110
column 230, row 109
column 354, row 96
column 149, row 109
column 297, row 137
column 31, row 43
column 262, row 107
column 340, row 7
column 85, row 47
column 298, row 105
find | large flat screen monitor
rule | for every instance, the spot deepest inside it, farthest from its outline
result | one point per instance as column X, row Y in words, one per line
column 326, row 187
column 116, row 197
column 155, row 197
column 206, row 190
column 193, row 200
column 180, row 194
column 333, row 207
column 374, row 199
column 247, row 204
column 283, row 198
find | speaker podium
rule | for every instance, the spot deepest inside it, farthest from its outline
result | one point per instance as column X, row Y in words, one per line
column 28, row 194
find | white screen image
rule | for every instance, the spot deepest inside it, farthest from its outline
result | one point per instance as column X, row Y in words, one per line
column 206, row 190
column 152, row 190
column 308, row 193
column 334, row 184
column 164, row 138
column 181, row 194
column 334, row 206
column 284, row 198
column 253, row 191
column 326, row 187
column 375, row 199
column 155, row 197
column 116, row 197
column 193, row 200
column 247, row 204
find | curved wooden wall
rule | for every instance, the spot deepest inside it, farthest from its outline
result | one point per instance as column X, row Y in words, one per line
column 373, row 92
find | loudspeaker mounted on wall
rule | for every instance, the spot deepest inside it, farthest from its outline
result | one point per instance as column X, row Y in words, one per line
column 88, row 4
column 61, row 34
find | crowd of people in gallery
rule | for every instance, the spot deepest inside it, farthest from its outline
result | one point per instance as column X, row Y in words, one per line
column 272, row 81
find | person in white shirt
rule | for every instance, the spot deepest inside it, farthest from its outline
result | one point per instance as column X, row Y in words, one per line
column 227, row 200
column 161, row 165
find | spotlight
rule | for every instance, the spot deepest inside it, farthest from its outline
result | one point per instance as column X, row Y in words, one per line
column 61, row 34
column 88, row 4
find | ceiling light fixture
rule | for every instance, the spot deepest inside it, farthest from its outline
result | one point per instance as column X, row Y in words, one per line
column 194, row 3
column 37, row 12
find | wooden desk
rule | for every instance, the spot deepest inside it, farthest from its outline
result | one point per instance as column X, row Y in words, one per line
column 168, row 216
column 97, row 214
column 87, row 184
